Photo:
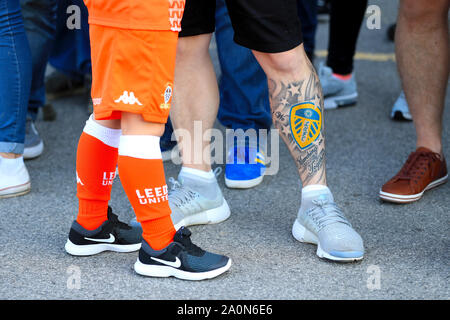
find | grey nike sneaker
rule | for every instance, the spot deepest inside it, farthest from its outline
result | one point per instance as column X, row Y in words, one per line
column 337, row 92
column 190, row 207
column 34, row 146
column 321, row 222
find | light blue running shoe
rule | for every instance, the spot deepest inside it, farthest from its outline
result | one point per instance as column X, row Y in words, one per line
column 191, row 205
column 400, row 109
column 245, row 167
column 337, row 92
column 321, row 222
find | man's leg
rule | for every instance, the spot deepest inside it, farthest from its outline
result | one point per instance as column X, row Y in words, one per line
column 193, row 114
column 297, row 110
column 197, row 98
column 293, row 82
column 422, row 41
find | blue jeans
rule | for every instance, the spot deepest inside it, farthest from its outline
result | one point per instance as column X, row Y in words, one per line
column 15, row 79
column 72, row 55
column 244, row 98
column 39, row 18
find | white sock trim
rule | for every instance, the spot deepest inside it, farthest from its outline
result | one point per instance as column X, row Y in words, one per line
column 106, row 135
column 199, row 173
column 140, row 146
column 314, row 187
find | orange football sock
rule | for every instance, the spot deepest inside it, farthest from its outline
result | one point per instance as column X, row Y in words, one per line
column 96, row 169
column 142, row 176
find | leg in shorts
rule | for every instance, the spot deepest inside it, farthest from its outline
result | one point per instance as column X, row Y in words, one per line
column 271, row 29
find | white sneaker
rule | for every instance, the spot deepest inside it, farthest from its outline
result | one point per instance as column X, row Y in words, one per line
column 14, row 178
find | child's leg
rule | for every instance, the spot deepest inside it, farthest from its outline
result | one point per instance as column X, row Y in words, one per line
column 142, row 176
column 96, row 167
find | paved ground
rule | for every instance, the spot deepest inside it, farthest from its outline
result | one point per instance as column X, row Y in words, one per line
column 406, row 245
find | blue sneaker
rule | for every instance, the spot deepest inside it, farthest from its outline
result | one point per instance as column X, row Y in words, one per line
column 400, row 109
column 246, row 169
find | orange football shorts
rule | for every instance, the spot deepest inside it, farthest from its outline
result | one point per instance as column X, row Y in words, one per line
column 132, row 71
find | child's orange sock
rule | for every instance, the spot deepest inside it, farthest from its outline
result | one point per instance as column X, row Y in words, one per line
column 96, row 168
column 142, row 175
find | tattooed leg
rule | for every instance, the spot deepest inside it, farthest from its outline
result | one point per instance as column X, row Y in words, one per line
column 296, row 101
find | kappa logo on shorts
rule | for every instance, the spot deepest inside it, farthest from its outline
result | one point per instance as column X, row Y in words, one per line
column 176, row 9
column 167, row 96
column 306, row 122
column 128, row 98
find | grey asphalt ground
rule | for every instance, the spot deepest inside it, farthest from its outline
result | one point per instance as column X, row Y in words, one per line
column 407, row 244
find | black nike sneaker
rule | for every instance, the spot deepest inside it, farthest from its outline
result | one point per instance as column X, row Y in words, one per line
column 112, row 235
column 181, row 259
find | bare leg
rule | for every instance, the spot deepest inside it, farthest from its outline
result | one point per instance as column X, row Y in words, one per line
column 292, row 81
column 10, row 155
column 297, row 110
column 194, row 110
column 196, row 98
column 422, row 42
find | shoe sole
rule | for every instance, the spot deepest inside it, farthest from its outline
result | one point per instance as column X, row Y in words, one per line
column 340, row 101
column 243, row 184
column 302, row 234
column 400, row 116
column 15, row 191
column 211, row 216
column 166, row 271
column 33, row 152
column 399, row 198
column 91, row 249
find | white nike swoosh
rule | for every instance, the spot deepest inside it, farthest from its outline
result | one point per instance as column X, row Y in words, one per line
column 175, row 264
column 111, row 239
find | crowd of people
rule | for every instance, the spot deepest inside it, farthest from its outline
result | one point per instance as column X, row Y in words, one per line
column 268, row 80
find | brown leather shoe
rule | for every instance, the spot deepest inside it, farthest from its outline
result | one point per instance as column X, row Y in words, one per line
column 422, row 171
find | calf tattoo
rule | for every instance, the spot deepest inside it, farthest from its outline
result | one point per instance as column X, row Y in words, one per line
column 297, row 112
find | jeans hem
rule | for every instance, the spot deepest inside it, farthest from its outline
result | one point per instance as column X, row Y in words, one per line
column 12, row 147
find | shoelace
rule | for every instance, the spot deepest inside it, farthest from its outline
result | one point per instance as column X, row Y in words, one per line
column 325, row 213
column 181, row 195
column 114, row 219
column 417, row 165
column 183, row 237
